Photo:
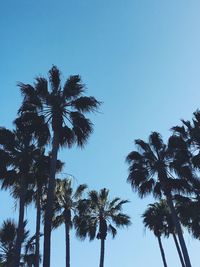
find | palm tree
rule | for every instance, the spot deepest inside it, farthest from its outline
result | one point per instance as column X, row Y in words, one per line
column 50, row 107
column 21, row 152
column 66, row 201
column 8, row 236
column 40, row 173
column 99, row 216
column 170, row 227
column 153, row 219
column 38, row 194
column 158, row 219
column 152, row 169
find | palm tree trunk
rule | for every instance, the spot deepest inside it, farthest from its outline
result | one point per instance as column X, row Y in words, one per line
column 102, row 253
column 162, row 251
column 178, row 249
column 20, row 229
column 37, row 233
column 67, row 244
column 49, row 207
column 178, row 230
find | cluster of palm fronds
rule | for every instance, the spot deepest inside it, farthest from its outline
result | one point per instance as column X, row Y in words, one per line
column 170, row 172
column 51, row 116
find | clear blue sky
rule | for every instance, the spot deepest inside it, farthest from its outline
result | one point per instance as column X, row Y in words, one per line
column 142, row 59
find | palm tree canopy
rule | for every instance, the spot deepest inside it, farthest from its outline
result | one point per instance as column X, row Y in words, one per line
column 98, row 215
column 154, row 166
column 66, row 201
column 189, row 213
column 47, row 102
column 18, row 153
column 157, row 218
column 8, row 235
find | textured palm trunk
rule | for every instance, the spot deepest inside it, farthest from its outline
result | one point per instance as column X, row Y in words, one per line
column 67, row 244
column 101, row 264
column 37, row 233
column 49, row 207
column 20, row 229
column 178, row 249
column 178, row 230
column 162, row 251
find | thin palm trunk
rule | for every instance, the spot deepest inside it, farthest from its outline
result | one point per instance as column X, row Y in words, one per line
column 20, row 229
column 178, row 249
column 162, row 251
column 37, row 233
column 67, row 244
column 49, row 207
column 102, row 253
column 178, row 230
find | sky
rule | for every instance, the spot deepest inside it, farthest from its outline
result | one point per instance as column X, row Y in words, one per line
column 142, row 60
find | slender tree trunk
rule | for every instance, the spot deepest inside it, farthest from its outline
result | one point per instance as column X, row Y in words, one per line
column 67, row 244
column 178, row 249
column 178, row 230
column 102, row 253
column 37, row 233
column 162, row 251
column 49, row 207
column 20, row 229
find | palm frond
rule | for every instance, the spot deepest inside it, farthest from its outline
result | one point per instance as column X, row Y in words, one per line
column 66, row 137
column 54, row 78
column 142, row 145
column 79, row 191
column 73, row 87
column 112, row 230
column 155, row 140
column 121, row 220
column 41, row 87
column 85, row 104
column 82, row 128
column 133, row 156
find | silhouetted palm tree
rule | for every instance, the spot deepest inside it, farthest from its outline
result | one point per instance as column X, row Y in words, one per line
column 49, row 105
column 98, row 215
column 170, row 227
column 158, row 218
column 153, row 219
column 21, row 153
column 152, row 169
column 66, row 201
column 38, row 195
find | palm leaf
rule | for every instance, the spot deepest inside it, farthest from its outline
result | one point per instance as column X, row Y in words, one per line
column 85, row 104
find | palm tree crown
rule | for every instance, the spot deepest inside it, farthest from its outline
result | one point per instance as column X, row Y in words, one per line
column 47, row 103
column 101, row 215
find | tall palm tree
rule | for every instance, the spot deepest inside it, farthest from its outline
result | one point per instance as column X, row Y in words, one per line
column 38, row 194
column 59, row 111
column 66, row 201
column 170, row 227
column 21, row 151
column 152, row 170
column 98, row 216
column 153, row 219
column 158, row 219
